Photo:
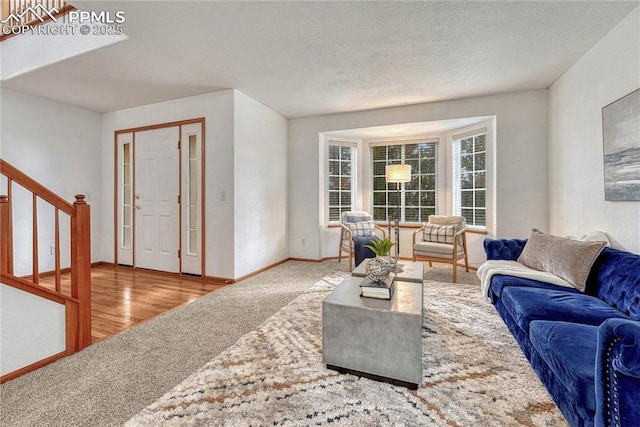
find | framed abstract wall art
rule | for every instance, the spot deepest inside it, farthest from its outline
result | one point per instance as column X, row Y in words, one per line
column 621, row 140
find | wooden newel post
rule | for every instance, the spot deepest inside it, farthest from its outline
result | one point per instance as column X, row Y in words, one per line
column 81, row 267
column 6, row 236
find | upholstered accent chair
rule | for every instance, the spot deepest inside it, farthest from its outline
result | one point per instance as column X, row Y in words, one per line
column 442, row 239
column 356, row 230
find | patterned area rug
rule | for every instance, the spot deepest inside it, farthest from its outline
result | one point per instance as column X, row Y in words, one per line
column 474, row 374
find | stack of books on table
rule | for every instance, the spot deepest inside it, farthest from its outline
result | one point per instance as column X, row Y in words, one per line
column 377, row 289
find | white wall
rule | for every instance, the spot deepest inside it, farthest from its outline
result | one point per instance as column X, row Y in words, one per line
column 260, row 157
column 245, row 158
column 521, row 162
column 218, row 111
column 59, row 146
column 31, row 329
column 610, row 70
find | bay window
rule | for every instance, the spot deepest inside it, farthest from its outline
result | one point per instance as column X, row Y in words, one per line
column 418, row 198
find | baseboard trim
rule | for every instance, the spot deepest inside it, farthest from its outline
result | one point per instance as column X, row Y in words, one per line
column 268, row 267
column 29, row 368
column 62, row 271
column 471, row 267
column 102, row 264
column 309, row 259
column 219, row 280
column 227, row 281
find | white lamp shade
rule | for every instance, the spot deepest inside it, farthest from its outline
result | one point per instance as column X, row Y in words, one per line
column 398, row 173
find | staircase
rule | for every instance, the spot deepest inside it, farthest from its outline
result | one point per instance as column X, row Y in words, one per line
column 16, row 14
column 77, row 301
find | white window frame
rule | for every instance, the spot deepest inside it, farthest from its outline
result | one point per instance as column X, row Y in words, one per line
column 125, row 251
column 404, row 142
column 191, row 260
column 362, row 190
column 354, row 177
column 486, row 128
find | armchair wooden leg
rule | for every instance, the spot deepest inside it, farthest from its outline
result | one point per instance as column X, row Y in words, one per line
column 455, row 272
column 466, row 263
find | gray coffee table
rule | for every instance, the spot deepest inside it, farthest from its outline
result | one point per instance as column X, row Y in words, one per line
column 378, row 339
column 411, row 271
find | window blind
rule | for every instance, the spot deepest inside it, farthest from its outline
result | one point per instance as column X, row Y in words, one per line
column 469, row 177
column 341, row 179
column 419, row 198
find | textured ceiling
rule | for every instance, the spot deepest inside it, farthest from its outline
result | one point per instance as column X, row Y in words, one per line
column 311, row 58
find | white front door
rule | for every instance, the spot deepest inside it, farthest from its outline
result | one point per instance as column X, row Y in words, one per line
column 156, row 204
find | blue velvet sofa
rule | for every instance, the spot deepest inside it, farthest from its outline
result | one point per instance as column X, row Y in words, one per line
column 584, row 347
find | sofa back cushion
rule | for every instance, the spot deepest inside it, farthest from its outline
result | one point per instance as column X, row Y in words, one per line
column 615, row 279
column 503, row 249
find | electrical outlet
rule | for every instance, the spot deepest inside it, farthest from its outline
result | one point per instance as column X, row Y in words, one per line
column 304, row 241
column 52, row 250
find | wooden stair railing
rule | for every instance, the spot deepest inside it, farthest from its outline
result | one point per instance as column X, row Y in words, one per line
column 79, row 324
column 29, row 13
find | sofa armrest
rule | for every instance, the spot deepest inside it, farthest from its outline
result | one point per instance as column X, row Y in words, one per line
column 503, row 249
column 618, row 373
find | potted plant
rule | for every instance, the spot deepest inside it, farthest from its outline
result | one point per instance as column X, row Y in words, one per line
column 381, row 247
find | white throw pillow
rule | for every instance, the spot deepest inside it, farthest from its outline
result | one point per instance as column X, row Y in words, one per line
column 439, row 233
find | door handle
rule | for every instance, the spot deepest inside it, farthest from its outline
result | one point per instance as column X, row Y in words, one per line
column 136, row 206
column 136, row 196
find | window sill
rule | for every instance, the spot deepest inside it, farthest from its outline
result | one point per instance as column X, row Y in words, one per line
column 413, row 225
column 383, row 225
column 402, row 224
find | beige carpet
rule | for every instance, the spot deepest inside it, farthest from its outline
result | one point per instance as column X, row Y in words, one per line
column 109, row 382
column 473, row 374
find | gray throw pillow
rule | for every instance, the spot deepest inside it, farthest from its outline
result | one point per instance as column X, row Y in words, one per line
column 567, row 258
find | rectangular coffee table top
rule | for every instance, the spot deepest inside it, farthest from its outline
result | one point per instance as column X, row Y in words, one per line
column 411, row 271
column 406, row 299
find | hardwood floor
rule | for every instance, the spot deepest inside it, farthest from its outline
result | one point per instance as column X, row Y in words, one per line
column 124, row 297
